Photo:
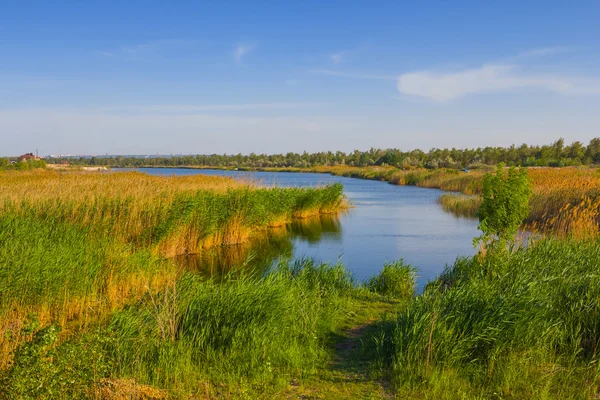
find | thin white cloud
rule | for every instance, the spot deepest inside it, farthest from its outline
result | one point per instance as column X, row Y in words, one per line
column 544, row 51
column 446, row 86
column 242, row 50
column 353, row 75
column 342, row 56
column 338, row 57
column 141, row 50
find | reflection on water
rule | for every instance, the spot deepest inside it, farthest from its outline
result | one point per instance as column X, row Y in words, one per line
column 316, row 229
column 264, row 250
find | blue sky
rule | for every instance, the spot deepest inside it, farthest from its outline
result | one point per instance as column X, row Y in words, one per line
column 230, row 77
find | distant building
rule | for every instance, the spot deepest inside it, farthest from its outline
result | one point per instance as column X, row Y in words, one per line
column 28, row 156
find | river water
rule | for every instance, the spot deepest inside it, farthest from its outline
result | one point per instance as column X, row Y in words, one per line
column 387, row 223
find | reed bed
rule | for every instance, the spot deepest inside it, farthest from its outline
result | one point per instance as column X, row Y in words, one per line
column 56, row 272
column 523, row 325
column 75, row 247
column 459, row 204
column 565, row 202
column 173, row 215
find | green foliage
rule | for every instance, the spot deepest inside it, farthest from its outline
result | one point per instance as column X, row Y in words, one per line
column 44, row 369
column 396, row 280
column 504, row 205
column 244, row 328
column 524, row 326
column 23, row 165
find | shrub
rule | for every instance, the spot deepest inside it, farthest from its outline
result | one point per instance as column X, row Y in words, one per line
column 504, row 205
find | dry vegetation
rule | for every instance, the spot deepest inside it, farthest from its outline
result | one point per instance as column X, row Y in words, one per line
column 565, row 201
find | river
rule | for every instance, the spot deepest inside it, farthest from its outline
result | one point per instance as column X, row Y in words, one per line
column 387, row 223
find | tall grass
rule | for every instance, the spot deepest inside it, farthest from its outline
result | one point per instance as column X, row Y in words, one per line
column 243, row 335
column 524, row 325
column 461, row 205
column 242, row 328
column 77, row 246
column 58, row 272
column 173, row 215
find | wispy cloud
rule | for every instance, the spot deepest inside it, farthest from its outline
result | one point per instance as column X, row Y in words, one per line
column 544, row 51
column 141, row 50
column 342, row 56
column 352, row 74
column 339, row 57
column 446, row 86
column 242, row 50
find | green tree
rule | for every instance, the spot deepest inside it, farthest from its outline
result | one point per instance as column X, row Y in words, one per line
column 22, row 165
column 505, row 204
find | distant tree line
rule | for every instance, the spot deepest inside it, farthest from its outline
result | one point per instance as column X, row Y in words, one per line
column 555, row 155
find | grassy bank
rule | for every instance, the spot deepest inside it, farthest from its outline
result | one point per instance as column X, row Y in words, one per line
column 75, row 247
column 171, row 215
column 521, row 326
column 243, row 336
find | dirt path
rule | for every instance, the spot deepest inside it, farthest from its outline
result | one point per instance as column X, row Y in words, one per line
column 349, row 374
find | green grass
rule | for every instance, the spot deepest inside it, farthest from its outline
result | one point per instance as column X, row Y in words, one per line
column 511, row 325
column 109, row 316
column 524, row 325
column 51, row 263
column 242, row 336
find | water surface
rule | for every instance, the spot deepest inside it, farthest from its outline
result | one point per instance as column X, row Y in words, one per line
column 387, row 223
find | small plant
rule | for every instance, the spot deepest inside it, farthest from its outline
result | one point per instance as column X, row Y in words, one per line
column 396, row 280
column 44, row 369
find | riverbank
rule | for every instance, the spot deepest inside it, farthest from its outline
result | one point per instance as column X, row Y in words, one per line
column 75, row 247
column 519, row 325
